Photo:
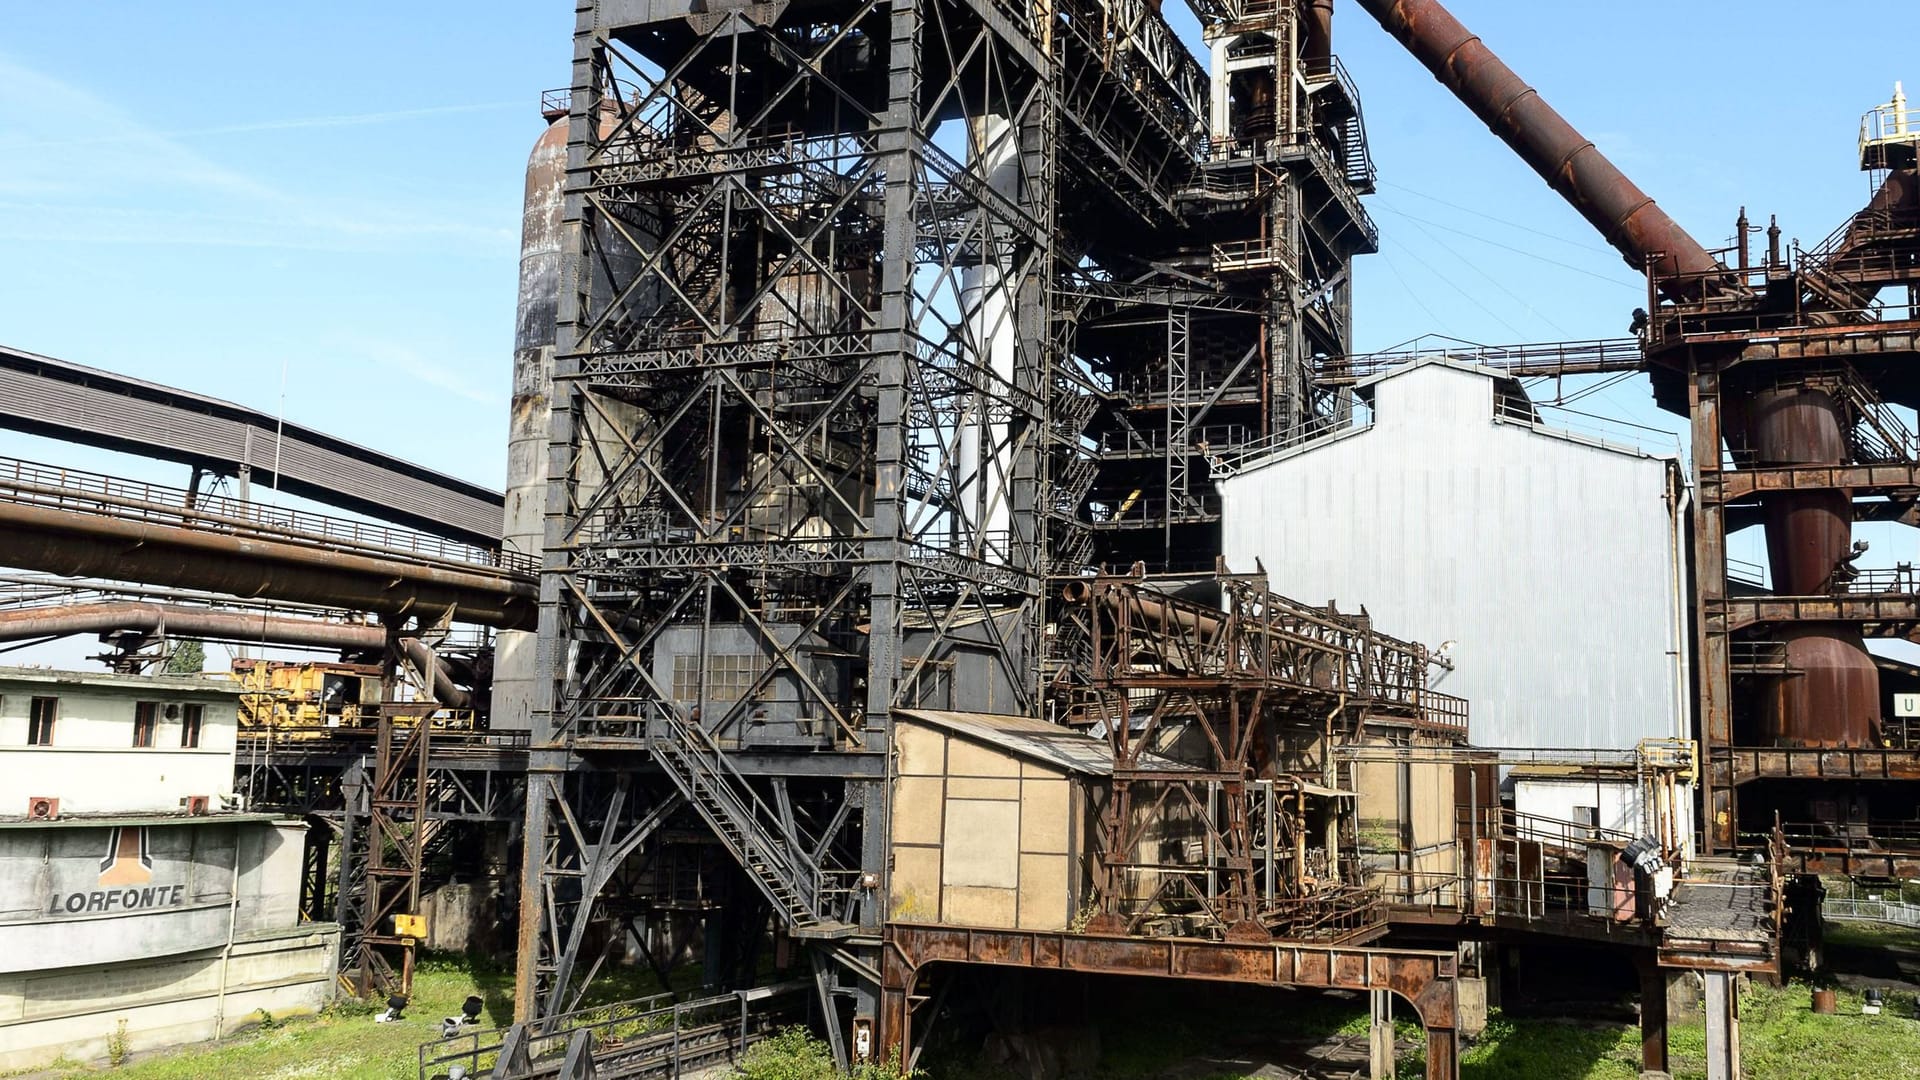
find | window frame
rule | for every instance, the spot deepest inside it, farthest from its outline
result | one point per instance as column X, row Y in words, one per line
column 146, row 724
column 40, row 727
column 192, row 715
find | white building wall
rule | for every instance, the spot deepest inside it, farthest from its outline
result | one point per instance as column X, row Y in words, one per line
column 1552, row 563
column 75, row 1012
column 93, row 766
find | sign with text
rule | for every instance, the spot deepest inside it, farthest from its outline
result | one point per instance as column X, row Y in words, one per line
column 125, row 880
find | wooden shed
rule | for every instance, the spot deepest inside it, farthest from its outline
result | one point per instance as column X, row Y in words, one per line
column 993, row 819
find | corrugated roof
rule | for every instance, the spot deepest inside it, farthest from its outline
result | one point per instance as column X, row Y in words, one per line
column 1052, row 744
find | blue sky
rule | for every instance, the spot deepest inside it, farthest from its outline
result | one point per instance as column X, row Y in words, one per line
column 226, row 196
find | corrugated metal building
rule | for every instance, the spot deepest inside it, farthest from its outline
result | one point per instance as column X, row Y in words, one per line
column 1554, row 563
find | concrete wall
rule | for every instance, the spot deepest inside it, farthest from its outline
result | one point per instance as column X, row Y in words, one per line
column 72, row 1012
column 1550, row 561
column 93, row 766
column 77, row 894
column 982, row 837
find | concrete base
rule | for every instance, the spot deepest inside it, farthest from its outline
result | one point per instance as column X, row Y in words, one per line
column 1683, row 996
column 1380, row 1037
column 1470, row 1006
column 76, row 1013
column 460, row 918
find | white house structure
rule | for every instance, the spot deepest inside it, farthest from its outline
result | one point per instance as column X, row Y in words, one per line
column 135, row 902
column 1549, row 568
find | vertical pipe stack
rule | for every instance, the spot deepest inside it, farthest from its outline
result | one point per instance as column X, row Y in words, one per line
column 533, row 337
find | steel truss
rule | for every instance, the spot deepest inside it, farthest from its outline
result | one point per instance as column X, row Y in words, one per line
column 1203, row 330
column 801, row 392
column 1224, row 817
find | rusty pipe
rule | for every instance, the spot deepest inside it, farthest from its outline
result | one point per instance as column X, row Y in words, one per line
column 1570, row 164
column 445, row 690
column 186, row 621
column 1316, row 34
column 95, row 545
column 1150, row 610
column 189, row 622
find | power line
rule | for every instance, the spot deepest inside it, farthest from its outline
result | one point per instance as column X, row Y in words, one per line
column 1491, row 280
column 1498, row 220
column 1636, row 287
column 1455, row 286
column 1408, row 289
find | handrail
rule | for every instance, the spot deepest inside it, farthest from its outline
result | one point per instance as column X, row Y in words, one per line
column 672, row 1034
column 31, row 483
column 761, row 830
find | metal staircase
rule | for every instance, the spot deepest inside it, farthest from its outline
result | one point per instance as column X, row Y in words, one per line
column 778, row 861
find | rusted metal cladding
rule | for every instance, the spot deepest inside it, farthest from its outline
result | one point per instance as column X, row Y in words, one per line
column 1630, row 220
column 535, row 324
column 534, row 328
column 1835, row 700
column 1316, row 32
column 1899, row 195
column 1808, row 533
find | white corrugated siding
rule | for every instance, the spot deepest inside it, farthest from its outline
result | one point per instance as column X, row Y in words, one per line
column 1550, row 562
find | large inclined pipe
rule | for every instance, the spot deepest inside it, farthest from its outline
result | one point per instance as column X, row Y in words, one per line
column 125, row 549
column 1836, row 699
column 1630, row 220
column 195, row 622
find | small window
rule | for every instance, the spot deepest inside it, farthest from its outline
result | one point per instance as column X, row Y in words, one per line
column 146, row 717
column 190, row 725
column 729, row 676
column 40, row 721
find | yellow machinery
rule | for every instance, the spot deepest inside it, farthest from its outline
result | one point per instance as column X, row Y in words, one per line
column 306, row 694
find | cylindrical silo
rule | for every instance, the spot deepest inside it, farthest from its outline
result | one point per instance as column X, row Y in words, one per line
column 1833, row 697
column 533, row 337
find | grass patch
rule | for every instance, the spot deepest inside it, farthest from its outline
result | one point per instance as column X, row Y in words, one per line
column 343, row 1042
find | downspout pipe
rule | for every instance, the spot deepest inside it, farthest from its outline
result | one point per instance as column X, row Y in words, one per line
column 1570, row 164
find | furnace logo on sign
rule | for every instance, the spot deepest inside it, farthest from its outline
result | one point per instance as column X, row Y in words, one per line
column 128, row 861
column 124, row 877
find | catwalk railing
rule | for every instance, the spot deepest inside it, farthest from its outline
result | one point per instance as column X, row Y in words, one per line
column 1880, row 911
column 650, row 1036
column 31, row 484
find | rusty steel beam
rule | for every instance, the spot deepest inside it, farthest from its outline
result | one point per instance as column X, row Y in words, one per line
column 125, row 549
column 1892, row 611
column 1877, row 864
column 1823, row 763
column 1570, row 164
column 1424, row 978
column 1741, row 483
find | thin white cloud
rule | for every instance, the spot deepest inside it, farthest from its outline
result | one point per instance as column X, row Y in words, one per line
column 420, row 367
column 299, row 123
column 81, row 169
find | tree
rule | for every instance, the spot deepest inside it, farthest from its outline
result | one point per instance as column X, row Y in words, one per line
column 188, row 658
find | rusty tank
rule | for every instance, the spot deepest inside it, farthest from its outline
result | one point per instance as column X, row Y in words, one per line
column 1834, row 699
